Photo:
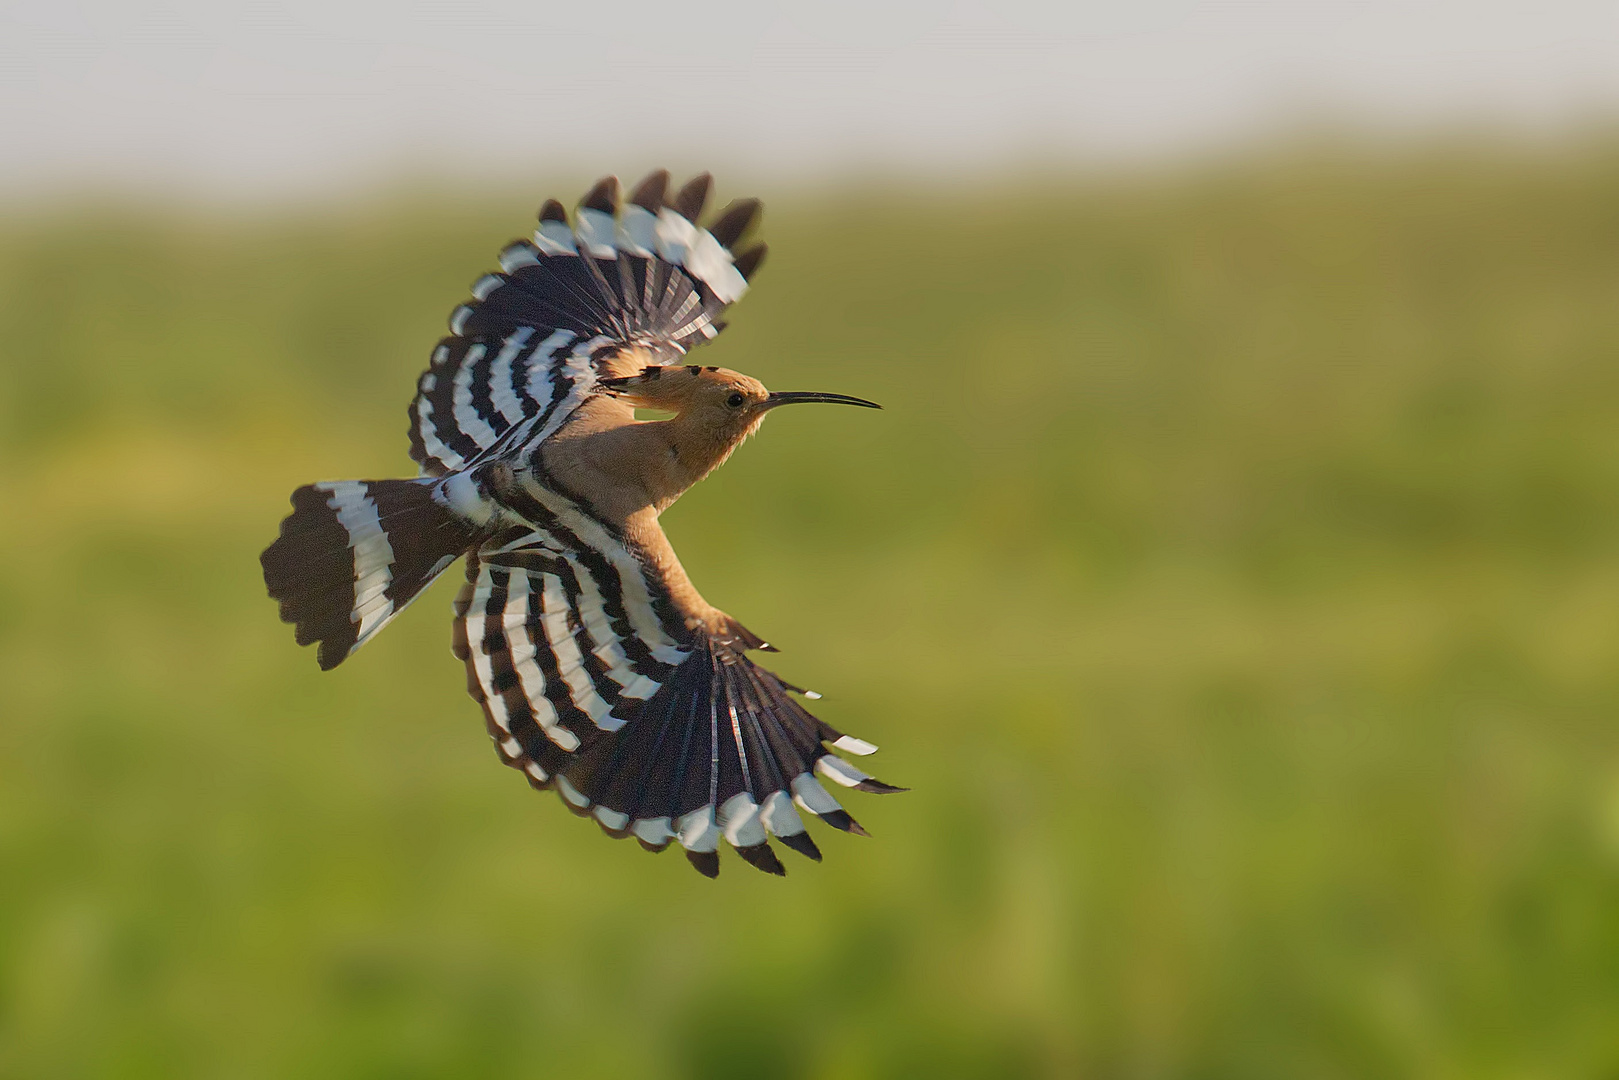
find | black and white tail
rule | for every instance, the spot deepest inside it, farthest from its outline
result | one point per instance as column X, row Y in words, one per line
column 354, row 553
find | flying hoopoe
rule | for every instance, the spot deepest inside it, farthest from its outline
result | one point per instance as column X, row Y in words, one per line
column 601, row 671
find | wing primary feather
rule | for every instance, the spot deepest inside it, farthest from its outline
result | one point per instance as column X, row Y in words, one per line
column 782, row 749
column 762, row 857
column 748, row 262
column 605, row 317
column 759, row 715
column 649, row 275
column 546, row 306
column 692, row 197
column 603, row 196
column 648, row 194
column 791, row 725
column 615, row 320
column 803, row 844
column 731, row 697
column 713, row 731
column 601, row 779
column 841, row 820
column 641, row 790
column 683, row 803
column 626, row 285
column 734, row 221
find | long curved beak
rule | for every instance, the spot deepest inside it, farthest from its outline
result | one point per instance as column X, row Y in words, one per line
column 793, row 397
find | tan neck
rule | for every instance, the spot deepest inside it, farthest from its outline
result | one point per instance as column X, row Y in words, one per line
column 628, row 472
column 621, row 466
column 646, row 538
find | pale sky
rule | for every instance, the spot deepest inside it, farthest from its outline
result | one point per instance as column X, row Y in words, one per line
column 255, row 99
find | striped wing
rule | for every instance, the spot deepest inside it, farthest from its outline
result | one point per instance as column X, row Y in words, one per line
column 560, row 644
column 527, row 346
column 590, row 685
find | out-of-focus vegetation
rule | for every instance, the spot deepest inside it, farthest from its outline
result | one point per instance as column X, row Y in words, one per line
column 1234, row 576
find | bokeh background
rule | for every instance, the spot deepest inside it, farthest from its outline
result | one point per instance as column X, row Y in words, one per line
column 1234, row 574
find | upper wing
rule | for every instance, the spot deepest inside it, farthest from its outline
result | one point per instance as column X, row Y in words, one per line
column 526, row 348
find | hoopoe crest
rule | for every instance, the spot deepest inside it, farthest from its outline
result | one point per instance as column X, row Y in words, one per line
column 601, row 670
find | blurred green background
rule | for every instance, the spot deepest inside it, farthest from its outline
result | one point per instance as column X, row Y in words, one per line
column 1234, row 577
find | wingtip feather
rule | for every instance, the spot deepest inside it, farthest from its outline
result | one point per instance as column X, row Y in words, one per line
column 707, row 863
column 692, row 197
column 764, row 858
column 650, row 192
column 603, row 196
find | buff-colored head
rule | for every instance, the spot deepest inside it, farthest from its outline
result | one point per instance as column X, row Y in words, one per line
column 711, row 405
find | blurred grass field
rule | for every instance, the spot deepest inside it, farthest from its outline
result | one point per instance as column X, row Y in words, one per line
column 1234, row 577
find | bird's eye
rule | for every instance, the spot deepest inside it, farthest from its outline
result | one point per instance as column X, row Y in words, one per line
column 735, row 401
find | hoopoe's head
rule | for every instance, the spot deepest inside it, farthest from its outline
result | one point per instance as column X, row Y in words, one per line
column 715, row 408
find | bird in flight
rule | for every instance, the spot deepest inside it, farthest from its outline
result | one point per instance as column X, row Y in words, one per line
column 601, row 670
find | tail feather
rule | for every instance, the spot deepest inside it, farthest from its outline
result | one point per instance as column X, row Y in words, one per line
column 353, row 554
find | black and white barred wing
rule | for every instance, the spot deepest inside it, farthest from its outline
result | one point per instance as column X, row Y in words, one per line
column 658, row 732
column 526, row 348
column 560, row 643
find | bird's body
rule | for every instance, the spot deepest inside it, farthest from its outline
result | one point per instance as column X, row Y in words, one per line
column 601, row 669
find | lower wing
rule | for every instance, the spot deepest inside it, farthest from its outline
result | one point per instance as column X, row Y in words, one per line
column 589, row 685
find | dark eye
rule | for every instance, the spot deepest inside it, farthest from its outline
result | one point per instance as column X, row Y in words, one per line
column 735, row 401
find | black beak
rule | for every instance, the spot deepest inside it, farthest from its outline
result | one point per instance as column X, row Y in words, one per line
column 794, row 397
